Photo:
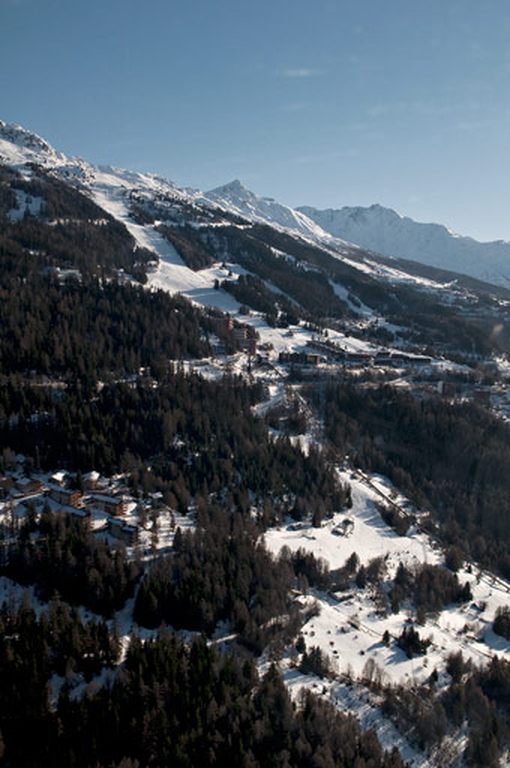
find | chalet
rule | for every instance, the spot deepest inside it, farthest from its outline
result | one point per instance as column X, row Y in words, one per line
column 69, row 497
column 64, row 509
column 6, row 484
column 91, row 480
column 112, row 505
column 345, row 528
column 298, row 526
column 59, row 478
column 123, row 531
column 83, row 514
column 28, row 485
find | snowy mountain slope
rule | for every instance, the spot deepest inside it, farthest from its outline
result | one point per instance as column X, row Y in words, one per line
column 237, row 198
column 346, row 231
column 172, row 274
column 144, row 203
column 112, row 189
column 350, row 621
column 349, row 626
column 385, row 231
column 116, row 189
column 19, row 146
column 351, row 231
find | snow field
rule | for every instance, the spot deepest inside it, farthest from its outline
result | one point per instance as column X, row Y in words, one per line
column 349, row 627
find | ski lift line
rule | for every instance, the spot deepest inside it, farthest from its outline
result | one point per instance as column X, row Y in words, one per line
column 380, row 493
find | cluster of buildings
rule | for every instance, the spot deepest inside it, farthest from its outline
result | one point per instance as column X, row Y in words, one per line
column 100, row 505
column 392, row 358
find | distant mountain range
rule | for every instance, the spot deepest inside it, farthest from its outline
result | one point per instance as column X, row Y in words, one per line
column 387, row 232
column 375, row 228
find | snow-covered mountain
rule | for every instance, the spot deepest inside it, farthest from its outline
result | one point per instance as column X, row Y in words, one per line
column 236, row 198
column 378, row 229
column 387, row 232
column 19, row 147
column 17, row 144
column 121, row 193
column 375, row 228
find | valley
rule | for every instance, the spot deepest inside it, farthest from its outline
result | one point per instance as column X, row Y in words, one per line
column 226, row 430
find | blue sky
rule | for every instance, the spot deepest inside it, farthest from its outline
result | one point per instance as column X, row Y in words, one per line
column 325, row 103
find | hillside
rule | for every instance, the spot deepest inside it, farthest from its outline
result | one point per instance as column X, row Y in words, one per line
column 253, row 484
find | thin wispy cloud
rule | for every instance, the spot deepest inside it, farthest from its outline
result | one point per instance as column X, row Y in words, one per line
column 301, row 72
column 297, row 106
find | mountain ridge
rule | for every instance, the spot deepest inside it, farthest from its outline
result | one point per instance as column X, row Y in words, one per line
column 235, row 196
column 387, row 232
column 376, row 228
column 348, row 231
